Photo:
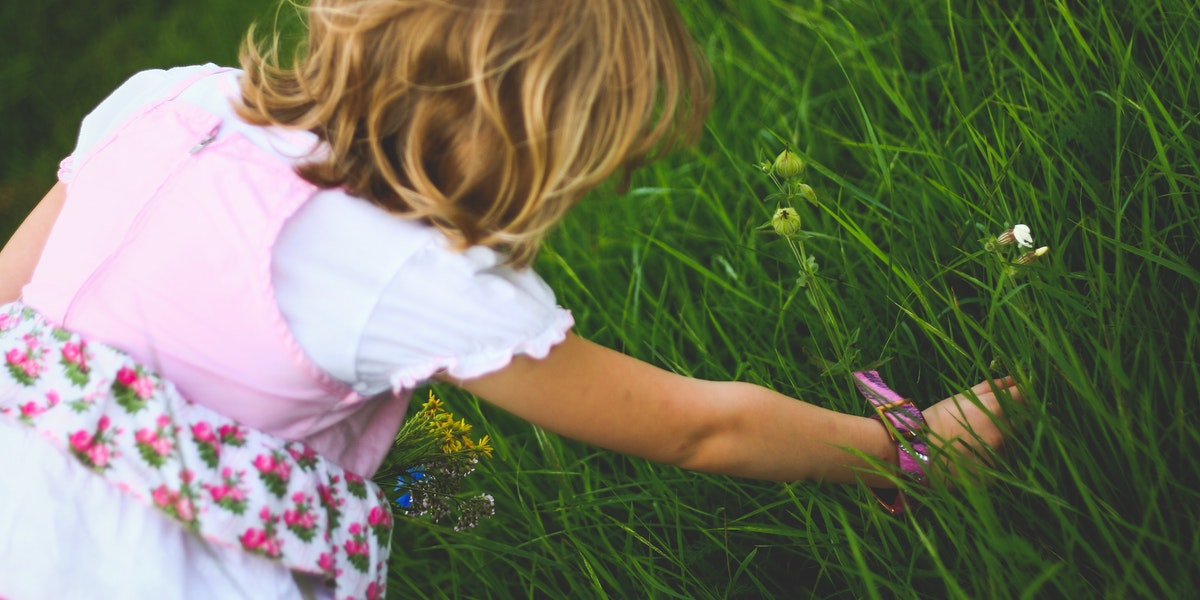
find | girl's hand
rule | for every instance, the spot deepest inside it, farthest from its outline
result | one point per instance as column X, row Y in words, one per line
column 966, row 429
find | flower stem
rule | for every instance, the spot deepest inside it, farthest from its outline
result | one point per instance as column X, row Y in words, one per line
column 819, row 301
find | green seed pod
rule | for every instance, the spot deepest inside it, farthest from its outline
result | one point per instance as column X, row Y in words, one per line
column 788, row 166
column 785, row 222
column 806, row 190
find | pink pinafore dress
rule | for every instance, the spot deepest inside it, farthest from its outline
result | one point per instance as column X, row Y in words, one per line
column 154, row 290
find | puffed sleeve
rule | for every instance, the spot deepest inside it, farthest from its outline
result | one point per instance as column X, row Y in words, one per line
column 465, row 313
column 143, row 87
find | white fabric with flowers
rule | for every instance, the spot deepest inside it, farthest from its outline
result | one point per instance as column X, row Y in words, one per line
column 234, row 487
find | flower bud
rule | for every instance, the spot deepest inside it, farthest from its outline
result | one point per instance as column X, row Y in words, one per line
column 1032, row 255
column 785, row 222
column 787, row 165
column 806, row 190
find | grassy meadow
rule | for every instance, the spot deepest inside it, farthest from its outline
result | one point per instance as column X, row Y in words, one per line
column 929, row 128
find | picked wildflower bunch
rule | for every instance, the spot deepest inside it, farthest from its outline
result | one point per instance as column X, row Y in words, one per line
column 432, row 455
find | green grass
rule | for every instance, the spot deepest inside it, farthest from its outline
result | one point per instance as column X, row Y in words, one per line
column 929, row 126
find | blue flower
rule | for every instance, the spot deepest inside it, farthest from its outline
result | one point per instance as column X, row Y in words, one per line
column 409, row 477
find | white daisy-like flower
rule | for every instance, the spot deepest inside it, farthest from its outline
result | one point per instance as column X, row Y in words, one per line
column 1022, row 235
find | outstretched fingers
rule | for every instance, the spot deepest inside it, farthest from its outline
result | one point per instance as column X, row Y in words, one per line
column 991, row 394
column 969, row 427
column 1004, row 385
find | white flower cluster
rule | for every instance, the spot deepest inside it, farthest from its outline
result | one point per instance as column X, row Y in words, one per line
column 1022, row 236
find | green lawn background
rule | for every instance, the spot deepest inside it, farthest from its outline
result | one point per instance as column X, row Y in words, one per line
column 929, row 127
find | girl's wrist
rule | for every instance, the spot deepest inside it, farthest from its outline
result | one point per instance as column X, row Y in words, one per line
column 905, row 426
column 878, row 448
column 883, row 448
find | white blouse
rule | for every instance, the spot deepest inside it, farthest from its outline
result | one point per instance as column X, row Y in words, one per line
column 377, row 301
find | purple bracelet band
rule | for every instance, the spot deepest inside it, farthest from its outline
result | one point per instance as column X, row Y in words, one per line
column 905, row 426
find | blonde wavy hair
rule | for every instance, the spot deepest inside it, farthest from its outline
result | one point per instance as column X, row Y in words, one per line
column 488, row 119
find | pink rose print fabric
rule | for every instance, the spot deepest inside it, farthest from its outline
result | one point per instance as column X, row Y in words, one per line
column 228, row 483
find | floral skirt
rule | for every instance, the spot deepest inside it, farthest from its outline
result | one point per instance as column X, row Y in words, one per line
column 112, row 484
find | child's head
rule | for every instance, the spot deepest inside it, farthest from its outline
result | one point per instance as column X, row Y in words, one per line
column 488, row 118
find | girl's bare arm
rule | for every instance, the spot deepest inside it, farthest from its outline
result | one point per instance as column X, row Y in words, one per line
column 20, row 255
column 590, row 393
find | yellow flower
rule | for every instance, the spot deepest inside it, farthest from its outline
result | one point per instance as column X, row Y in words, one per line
column 484, row 447
column 451, row 434
column 432, row 406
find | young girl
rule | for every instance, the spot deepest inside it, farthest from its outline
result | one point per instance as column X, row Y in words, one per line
column 216, row 318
